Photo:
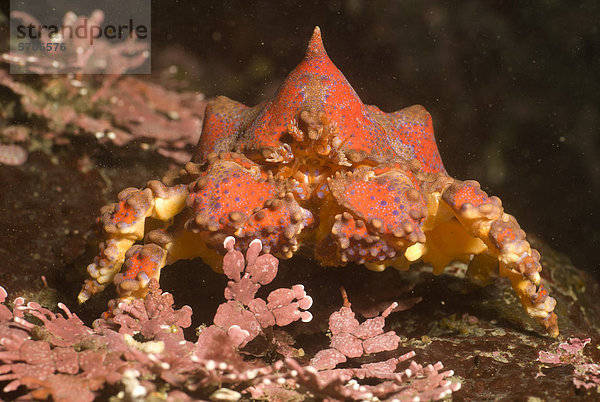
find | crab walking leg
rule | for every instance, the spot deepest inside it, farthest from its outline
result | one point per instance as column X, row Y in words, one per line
column 123, row 223
column 142, row 263
column 163, row 247
column 483, row 217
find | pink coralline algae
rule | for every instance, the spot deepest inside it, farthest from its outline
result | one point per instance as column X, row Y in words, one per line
column 586, row 373
column 114, row 108
column 13, row 155
column 141, row 352
column 351, row 339
column 120, row 111
column 414, row 383
column 77, row 54
column 243, row 316
column 40, row 364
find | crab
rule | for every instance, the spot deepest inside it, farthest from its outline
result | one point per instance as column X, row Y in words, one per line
column 315, row 169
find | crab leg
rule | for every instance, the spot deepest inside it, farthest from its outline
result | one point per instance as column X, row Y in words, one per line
column 219, row 205
column 163, row 247
column 483, row 217
column 123, row 223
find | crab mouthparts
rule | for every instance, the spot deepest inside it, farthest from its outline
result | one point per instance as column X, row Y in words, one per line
column 316, row 151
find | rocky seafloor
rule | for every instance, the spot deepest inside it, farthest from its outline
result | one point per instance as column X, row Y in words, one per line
column 49, row 203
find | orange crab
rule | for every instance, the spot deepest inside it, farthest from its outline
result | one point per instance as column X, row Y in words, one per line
column 317, row 169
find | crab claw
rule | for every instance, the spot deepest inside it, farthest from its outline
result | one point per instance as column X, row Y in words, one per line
column 223, row 206
column 383, row 214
